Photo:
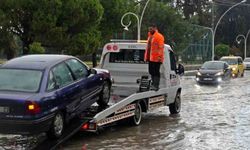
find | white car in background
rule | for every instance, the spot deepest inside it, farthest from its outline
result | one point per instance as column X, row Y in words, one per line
column 247, row 62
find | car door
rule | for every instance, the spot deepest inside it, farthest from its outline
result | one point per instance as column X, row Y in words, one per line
column 67, row 90
column 88, row 83
column 241, row 66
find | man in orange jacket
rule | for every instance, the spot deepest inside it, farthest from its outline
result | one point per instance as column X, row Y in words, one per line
column 154, row 54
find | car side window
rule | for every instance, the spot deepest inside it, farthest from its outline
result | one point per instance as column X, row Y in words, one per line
column 79, row 70
column 172, row 61
column 51, row 82
column 225, row 66
column 62, row 75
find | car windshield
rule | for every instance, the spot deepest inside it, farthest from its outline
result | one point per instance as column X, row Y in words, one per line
column 230, row 61
column 212, row 65
column 247, row 60
column 20, row 80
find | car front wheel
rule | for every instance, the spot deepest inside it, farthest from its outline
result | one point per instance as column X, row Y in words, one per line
column 104, row 95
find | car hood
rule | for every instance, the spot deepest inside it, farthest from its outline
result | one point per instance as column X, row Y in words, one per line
column 101, row 70
column 209, row 71
column 233, row 66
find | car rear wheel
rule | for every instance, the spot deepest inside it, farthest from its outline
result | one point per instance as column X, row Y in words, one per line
column 104, row 95
column 136, row 119
column 57, row 126
column 175, row 107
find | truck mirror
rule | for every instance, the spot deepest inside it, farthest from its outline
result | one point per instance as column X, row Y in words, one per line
column 180, row 69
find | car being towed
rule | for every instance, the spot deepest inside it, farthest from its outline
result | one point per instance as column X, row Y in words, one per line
column 41, row 93
column 213, row 72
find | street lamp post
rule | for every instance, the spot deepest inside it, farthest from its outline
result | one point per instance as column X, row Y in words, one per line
column 139, row 21
column 127, row 25
column 245, row 41
column 219, row 22
column 238, row 41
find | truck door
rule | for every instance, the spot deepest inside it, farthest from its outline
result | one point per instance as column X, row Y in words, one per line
column 174, row 78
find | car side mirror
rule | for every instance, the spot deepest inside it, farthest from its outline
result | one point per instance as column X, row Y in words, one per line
column 180, row 70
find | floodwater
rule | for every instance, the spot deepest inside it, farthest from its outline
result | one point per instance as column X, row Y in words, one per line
column 212, row 117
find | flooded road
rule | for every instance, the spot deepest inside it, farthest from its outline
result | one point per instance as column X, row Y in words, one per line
column 212, row 117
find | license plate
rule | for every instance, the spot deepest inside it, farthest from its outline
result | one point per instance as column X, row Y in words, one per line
column 4, row 109
column 207, row 79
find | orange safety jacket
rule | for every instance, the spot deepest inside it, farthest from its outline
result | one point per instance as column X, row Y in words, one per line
column 156, row 49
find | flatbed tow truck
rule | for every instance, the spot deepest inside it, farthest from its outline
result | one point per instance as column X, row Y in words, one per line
column 130, row 95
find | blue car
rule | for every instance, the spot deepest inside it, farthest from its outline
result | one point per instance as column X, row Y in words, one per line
column 42, row 93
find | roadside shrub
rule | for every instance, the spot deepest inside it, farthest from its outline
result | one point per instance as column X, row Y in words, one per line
column 36, row 48
column 221, row 50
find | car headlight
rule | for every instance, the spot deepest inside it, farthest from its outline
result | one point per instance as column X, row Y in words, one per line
column 233, row 69
column 198, row 74
column 219, row 74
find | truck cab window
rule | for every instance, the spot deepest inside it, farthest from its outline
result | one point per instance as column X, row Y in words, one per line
column 172, row 61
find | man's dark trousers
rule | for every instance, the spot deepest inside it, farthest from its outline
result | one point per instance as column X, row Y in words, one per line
column 154, row 71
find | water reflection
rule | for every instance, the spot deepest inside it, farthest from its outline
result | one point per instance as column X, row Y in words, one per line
column 18, row 142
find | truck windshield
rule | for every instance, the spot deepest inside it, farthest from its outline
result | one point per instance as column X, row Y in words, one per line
column 212, row 65
column 127, row 56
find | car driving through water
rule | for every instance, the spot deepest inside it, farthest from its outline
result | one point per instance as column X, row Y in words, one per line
column 213, row 72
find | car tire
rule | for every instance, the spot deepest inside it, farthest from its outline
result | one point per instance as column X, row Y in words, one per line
column 242, row 75
column 104, row 95
column 136, row 119
column 57, row 126
column 175, row 107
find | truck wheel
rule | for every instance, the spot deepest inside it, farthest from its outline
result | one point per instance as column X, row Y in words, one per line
column 136, row 119
column 175, row 107
column 57, row 126
column 104, row 95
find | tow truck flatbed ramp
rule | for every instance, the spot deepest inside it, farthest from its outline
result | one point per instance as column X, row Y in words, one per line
column 95, row 115
column 126, row 101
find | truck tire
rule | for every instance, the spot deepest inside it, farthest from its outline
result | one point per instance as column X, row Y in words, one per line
column 57, row 126
column 104, row 95
column 175, row 107
column 136, row 119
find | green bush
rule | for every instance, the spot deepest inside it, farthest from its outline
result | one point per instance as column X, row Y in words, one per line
column 36, row 48
column 221, row 50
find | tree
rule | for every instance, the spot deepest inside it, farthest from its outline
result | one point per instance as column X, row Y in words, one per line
column 69, row 25
column 221, row 50
column 113, row 11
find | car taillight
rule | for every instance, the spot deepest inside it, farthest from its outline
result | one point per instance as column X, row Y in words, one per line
column 32, row 107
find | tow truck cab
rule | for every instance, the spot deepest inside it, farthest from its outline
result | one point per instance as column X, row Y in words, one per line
column 125, row 61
